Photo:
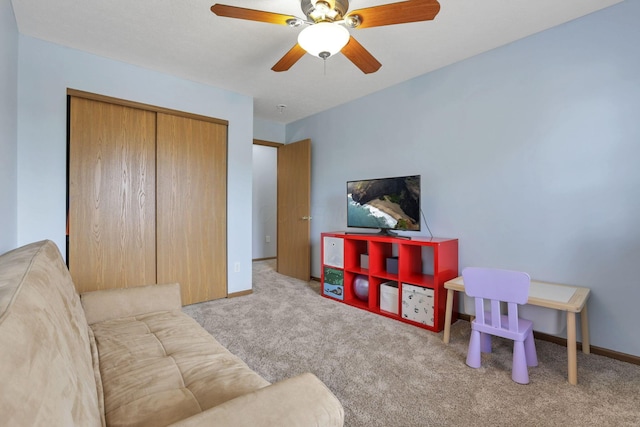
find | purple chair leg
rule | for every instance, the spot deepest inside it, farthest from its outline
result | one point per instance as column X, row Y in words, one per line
column 519, row 373
column 530, row 350
column 485, row 343
column 473, row 354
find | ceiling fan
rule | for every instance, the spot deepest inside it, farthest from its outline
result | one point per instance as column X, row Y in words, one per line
column 327, row 20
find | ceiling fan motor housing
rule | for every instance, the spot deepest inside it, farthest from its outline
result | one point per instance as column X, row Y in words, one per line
column 336, row 9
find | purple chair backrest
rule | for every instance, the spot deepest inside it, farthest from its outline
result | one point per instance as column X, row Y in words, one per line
column 497, row 285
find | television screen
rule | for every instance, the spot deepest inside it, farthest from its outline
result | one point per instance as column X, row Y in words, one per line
column 385, row 203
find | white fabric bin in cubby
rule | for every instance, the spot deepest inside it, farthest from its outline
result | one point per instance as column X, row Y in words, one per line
column 389, row 297
column 417, row 304
column 334, row 251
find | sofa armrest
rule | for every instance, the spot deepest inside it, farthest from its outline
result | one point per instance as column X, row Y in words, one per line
column 115, row 303
column 301, row 401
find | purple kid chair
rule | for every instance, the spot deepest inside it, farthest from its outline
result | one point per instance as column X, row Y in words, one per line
column 511, row 287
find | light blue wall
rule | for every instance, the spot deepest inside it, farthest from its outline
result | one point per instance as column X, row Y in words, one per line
column 528, row 155
column 47, row 70
column 267, row 130
column 8, row 127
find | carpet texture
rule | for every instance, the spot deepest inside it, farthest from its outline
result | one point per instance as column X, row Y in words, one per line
column 387, row 373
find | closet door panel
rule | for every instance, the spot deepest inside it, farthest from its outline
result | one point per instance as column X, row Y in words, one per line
column 111, row 195
column 191, row 206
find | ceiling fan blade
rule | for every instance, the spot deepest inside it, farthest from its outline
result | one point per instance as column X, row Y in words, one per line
column 250, row 14
column 397, row 13
column 289, row 58
column 360, row 57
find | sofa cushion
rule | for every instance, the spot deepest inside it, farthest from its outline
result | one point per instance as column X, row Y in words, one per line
column 161, row 367
column 45, row 353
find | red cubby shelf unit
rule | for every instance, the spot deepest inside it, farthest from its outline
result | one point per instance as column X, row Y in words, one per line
column 423, row 263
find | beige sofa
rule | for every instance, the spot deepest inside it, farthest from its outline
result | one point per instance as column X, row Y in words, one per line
column 128, row 357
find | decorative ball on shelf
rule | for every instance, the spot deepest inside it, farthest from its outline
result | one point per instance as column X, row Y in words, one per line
column 361, row 287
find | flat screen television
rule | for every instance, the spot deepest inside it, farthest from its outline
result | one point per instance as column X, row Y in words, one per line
column 384, row 203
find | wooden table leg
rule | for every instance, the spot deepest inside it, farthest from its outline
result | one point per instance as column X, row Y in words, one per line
column 571, row 348
column 447, row 316
column 584, row 323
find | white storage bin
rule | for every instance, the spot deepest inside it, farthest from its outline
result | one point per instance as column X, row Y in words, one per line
column 545, row 320
column 389, row 297
column 470, row 305
column 333, row 251
column 417, row 304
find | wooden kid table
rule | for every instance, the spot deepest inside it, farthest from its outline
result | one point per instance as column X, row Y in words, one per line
column 571, row 299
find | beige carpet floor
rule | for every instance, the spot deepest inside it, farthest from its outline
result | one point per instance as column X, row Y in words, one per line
column 387, row 373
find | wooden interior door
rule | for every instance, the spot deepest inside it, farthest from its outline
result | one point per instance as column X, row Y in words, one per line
column 191, row 200
column 111, row 221
column 294, row 209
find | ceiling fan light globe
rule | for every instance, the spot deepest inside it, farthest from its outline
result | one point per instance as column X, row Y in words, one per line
column 323, row 37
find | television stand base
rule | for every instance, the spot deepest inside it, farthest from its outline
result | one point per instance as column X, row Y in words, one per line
column 383, row 232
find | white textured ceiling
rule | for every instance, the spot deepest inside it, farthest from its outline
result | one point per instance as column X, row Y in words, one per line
column 185, row 39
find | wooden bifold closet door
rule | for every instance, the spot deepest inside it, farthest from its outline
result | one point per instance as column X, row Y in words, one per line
column 112, row 214
column 147, row 198
column 192, row 224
